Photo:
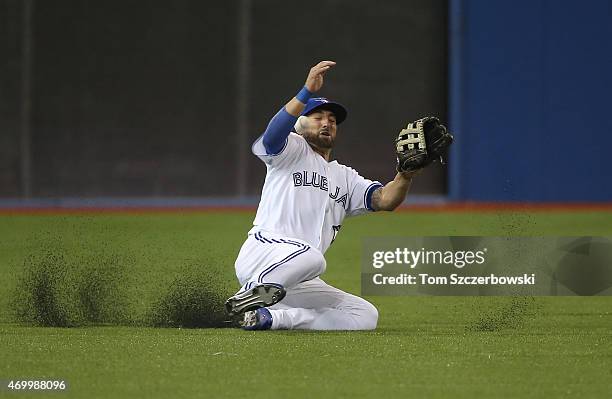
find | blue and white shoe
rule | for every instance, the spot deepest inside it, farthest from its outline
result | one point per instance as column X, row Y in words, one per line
column 262, row 295
column 260, row 319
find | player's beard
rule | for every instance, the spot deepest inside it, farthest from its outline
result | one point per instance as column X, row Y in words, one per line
column 320, row 141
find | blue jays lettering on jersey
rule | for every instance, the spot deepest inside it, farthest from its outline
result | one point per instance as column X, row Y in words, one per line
column 306, row 197
column 302, row 179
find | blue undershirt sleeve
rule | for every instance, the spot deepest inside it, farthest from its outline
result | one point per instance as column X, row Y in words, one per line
column 277, row 131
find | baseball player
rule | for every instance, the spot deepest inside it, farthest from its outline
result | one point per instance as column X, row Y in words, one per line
column 305, row 198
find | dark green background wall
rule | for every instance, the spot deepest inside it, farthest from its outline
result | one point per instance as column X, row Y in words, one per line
column 133, row 98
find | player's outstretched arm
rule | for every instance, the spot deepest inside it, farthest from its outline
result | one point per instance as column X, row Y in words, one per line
column 390, row 196
column 280, row 126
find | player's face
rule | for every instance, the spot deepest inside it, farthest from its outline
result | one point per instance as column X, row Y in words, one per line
column 323, row 129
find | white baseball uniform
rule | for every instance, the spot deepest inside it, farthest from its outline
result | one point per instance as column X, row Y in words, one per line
column 303, row 203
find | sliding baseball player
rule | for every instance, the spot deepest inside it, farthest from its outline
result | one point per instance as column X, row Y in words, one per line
column 305, row 198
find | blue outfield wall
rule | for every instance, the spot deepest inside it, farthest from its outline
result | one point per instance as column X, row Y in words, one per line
column 529, row 100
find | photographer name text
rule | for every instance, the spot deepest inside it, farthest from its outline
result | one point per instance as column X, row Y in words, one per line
column 453, row 279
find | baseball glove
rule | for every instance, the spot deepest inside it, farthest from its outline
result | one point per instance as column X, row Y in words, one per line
column 421, row 143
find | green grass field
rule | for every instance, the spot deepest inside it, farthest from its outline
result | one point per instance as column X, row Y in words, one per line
column 424, row 346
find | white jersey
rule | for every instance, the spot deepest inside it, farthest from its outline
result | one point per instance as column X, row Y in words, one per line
column 306, row 197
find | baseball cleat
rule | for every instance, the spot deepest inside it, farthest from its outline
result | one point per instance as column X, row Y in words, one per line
column 260, row 296
column 259, row 319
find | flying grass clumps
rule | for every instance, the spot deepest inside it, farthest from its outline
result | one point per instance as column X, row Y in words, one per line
column 511, row 314
column 45, row 293
column 193, row 300
column 102, row 290
column 73, row 287
column 57, row 289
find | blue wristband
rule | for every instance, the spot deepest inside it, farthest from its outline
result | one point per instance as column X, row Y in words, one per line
column 303, row 95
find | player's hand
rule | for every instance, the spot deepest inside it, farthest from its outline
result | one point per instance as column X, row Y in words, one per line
column 314, row 81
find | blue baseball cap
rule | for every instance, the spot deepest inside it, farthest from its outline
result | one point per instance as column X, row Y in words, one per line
column 323, row 103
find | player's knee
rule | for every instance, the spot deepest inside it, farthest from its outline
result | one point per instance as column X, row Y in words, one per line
column 322, row 265
column 368, row 317
column 371, row 318
column 318, row 261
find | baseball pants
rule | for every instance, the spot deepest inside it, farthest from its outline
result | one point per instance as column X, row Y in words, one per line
column 310, row 303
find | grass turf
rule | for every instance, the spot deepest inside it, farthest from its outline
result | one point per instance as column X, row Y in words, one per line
column 424, row 346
